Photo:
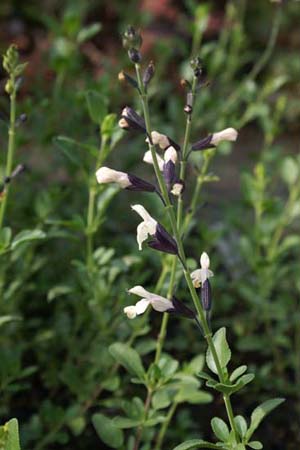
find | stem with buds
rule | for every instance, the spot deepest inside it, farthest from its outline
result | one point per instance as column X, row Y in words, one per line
column 181, row 253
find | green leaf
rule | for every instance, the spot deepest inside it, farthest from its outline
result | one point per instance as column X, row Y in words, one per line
column 126, row 422
column 88, row 32
column 196, row 365
column 220, row 429
column 5, row 237
column 193, row 396
column 128, row 358
column 8, row 318
column 58, row 291
column 193, row 444
column 13, row 441
column 237, row 373
column 255, row 444
column 222, row 349
column 161, row 399
column 97, row 106
column 231, row 388
column 260, row 412
column 107, row 431
column 289, row 170
column 241, row 425
column 26, row 236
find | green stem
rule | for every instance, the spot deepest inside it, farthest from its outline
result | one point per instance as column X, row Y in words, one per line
column 10, row 151
column 165, row 425
column 141, row 427
column 181, row 254
column 89, row 230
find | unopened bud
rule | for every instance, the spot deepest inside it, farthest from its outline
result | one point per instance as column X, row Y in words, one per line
column 148, row 74
column 121, row 76
column 132, row 39
column 134, row 55
column 9, row 87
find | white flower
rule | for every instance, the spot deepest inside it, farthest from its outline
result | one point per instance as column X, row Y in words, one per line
column 149, row 160
column 229, row 134
column 200, row 275
column 148, row 226
column 169, row 155
column 107, row 175
column 157, row 302
column 177, row 189
column 160, row 139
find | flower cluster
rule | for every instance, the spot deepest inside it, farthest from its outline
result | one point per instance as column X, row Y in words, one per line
column 165, row 154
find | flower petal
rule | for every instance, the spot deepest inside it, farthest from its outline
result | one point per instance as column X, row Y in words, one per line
column 130, row 311
column 149, row 160
column 142, row 212
column 204, row 261
column 161, row 304
column 141, row 306
column 140, row 291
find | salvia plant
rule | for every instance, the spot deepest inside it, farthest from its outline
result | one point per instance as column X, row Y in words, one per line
column 166, row 383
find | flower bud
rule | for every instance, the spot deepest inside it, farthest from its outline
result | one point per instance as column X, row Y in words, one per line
column 229, row 134
column 211, row 141
column 127, row 181
column 9, row 87
column 131, row 38
column 177, row 188
column 123, row 76
column 163, row 141
column 130, row 120
column 134, row 55
column 148, row 74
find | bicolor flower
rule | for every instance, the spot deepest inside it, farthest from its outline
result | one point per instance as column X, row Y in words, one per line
column 124, row 180
column 163, row 141
column 199, row 276
column 131, row 120
column 161, row 239
column 211, row 141
column 158, row 303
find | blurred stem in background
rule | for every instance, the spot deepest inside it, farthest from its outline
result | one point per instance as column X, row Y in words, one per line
column 14, row 69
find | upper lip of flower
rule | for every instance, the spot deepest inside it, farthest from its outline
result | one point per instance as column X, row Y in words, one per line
column 200, row 275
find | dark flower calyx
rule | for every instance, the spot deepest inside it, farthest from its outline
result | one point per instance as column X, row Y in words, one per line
column 163, row 241
column 138, row 184
column 181, row 309
column 134, row 55
column 206, row 296
column 203, row 144
column 148, row 74
column 130, row 120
